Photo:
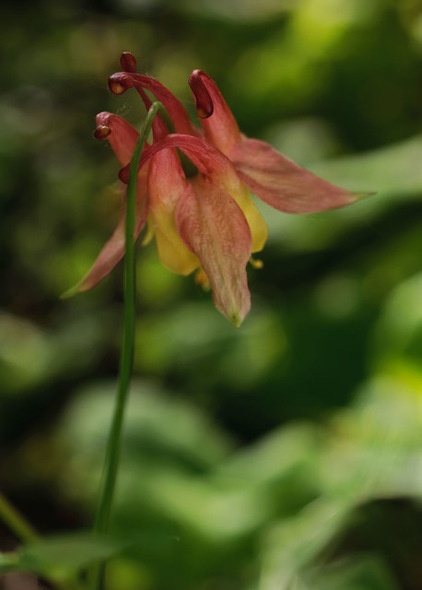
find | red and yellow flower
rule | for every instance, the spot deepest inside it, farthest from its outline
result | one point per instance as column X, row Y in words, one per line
column 207, row 222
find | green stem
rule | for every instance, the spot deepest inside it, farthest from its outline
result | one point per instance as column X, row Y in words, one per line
column 16, row 522
column 112, row 456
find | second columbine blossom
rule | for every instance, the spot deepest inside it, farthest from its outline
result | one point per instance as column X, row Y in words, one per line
column 207, row 222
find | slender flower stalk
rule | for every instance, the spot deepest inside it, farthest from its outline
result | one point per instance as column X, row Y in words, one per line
column 111, row 461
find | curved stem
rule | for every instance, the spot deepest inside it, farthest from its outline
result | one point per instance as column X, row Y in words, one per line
column 112, row 456
column 16, row 522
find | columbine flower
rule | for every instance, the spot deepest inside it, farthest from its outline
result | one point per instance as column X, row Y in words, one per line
column 207, row 222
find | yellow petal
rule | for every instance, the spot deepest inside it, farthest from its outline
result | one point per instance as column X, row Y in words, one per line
column 257, row 225
column 172, row 251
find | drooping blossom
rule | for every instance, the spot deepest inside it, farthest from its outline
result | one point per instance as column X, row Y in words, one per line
column 207, row 222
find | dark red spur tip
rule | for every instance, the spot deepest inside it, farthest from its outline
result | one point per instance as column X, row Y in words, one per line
column 118, row 83
column 203, row 100
column 102, row 132
column 124, row 174
column 128, row 62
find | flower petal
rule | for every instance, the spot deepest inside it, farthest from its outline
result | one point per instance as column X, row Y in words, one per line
column 113, row 251
column 214, row 165
column 122, row 138
column 214, row 227
column 166, row 184
column 119, row 133
column 281, row 183
column 256, row 222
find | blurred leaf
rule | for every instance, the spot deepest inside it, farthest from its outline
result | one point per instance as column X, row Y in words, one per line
column 374, row 449
column 365, row 573
column 294, row 543
column 157, row 426
column 398, row 336
column 238, row 10
column 191, row 339
column 62, row 555
column 8, row 562
column 393, row 173
column 389, row 170
column 31, row 355
column 275, row 455
column 24, row 354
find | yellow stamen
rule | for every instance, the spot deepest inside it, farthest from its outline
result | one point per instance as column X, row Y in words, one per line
column 201, row 279
column 256, row 263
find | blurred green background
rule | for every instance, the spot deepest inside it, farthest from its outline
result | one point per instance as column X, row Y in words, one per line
column 286, row 455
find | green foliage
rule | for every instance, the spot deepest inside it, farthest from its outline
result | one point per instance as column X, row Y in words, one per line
column 286, row 455
column 59, row 557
